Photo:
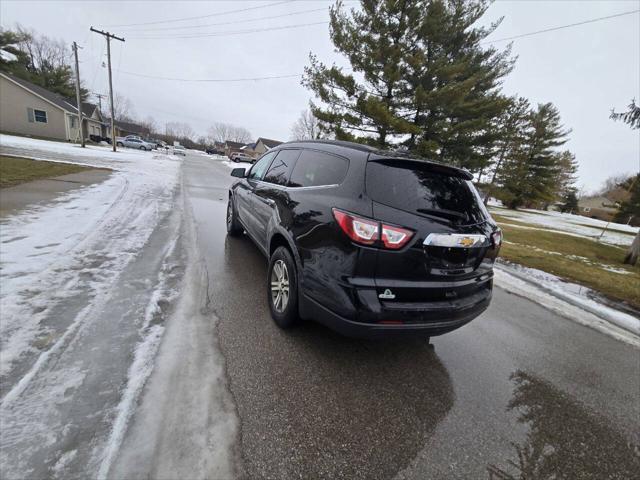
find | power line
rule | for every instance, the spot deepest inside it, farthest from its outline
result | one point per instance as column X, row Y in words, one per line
column 213, row 80
column 218, row 14
column 560, row 27
column 224, row 34
column 182, row 27
column 229, row 80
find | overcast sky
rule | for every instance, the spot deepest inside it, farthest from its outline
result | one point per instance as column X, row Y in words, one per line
column 584, row 70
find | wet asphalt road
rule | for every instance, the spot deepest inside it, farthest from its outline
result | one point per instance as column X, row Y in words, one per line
column 518, row 393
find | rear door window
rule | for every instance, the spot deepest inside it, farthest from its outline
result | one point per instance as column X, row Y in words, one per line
column 281, row 167
column 419, row 189
column 317, row 168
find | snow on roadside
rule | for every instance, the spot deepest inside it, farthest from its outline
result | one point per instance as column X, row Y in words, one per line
column 47, row 252
column 616, row 234
column 232, row 165
column 569, row 300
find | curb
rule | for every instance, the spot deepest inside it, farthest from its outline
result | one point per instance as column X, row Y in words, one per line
column 601, row 313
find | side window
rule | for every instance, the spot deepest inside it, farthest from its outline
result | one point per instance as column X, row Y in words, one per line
column 281, row 167
column 317, row 168
column 40, row 116
column 257, row 171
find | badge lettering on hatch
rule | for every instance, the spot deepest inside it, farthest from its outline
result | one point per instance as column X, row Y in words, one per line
column 387, row 295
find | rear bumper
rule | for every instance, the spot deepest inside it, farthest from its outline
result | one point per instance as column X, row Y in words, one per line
column 432, row 322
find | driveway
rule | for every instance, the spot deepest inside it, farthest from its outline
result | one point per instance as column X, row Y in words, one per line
column 518, row 390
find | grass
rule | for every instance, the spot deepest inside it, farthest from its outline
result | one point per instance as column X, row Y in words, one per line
column 14, row 170
column 531, row 248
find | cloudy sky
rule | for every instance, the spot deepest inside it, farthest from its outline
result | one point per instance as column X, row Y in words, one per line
column 584, row 70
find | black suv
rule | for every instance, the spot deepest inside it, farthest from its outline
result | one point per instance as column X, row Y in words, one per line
column 367, row 242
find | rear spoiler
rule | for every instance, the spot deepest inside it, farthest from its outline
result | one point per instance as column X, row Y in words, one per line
column 426, row 164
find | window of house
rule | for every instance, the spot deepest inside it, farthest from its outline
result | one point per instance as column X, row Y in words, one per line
column 34, row 115
column 74, row 122
column 40, row 116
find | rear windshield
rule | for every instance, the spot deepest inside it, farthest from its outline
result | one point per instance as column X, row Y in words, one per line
column 416, row 189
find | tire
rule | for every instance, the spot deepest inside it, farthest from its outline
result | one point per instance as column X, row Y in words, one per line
column 119, row 144
column 233, row 225
column 142, row 148
column 283, row 303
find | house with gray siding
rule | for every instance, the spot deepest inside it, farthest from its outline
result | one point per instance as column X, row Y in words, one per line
column 28, row 109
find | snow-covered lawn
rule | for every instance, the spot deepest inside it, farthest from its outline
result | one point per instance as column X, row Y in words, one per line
column 616, row 233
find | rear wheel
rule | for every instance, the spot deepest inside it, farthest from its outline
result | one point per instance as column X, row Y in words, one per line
column 282, row 289
column 233, row 225
column 119, row 144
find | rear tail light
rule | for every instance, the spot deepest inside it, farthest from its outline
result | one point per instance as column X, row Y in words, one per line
column 360, row 230
column 496, row 238
column 395, row 237
column 367, row 232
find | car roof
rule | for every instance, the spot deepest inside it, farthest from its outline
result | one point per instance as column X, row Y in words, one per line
column 377, row 154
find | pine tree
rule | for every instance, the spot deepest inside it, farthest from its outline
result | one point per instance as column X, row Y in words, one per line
column 532, row 174
column 369, row 106
column 420, row 77
column 455, row 84
column 631, row 207
column 569, row 201
column 512, row 125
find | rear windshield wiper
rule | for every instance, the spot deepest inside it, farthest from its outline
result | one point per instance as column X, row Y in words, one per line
column 443, row 213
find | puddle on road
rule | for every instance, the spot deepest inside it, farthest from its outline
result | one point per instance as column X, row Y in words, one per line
column 565, row 439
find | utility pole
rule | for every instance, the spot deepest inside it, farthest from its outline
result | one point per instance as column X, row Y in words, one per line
column 78, row 99
column 109, row 36
column 100, row 96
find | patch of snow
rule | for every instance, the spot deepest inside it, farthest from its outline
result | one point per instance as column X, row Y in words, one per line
column 7, row 56
column 63, row 461
column 103, row 225
column 142, row 365
column 569, row 300
column 232, row 165
column 576, row 225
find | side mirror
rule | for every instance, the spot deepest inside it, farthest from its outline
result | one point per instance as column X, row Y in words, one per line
column 238, row 172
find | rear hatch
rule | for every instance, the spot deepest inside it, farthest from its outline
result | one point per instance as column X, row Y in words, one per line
column 451, row 252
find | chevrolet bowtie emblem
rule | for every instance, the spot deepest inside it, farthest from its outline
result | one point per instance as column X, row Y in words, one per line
column 466, row 241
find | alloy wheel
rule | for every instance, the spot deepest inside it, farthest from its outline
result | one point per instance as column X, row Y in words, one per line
column 280, row 286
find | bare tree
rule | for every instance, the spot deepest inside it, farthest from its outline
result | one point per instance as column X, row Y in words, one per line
column 122, row 108
column 150, row 123
column 180, row 130
column 220, row 132
column 306, row 127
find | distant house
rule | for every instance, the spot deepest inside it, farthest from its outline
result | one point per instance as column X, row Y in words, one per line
column 232, row 147
column 28, row 109
column 263, row 145
column 598, row 207
column 123, row 129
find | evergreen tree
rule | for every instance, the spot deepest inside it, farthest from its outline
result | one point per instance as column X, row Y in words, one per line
column 630, row 117
column 420, row 77
column 532, row 174
column 455, row 85
column 631, row 207
column 569, row 201
column 512, row 125
column 367, row 107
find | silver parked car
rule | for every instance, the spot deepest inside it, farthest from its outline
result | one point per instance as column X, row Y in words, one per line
column 134, row 142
